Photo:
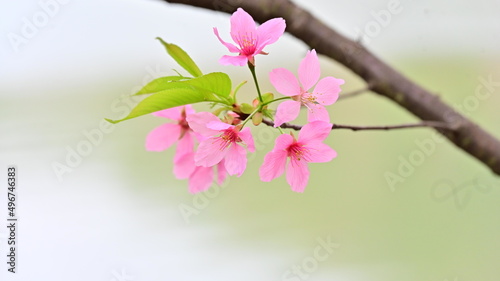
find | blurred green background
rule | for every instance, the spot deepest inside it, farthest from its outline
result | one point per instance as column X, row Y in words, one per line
column 120, row 210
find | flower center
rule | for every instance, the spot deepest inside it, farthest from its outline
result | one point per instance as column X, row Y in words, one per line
column 183, row 124
column 297, row 151
column 228, row 137
column 307, row 98
column 247, row 43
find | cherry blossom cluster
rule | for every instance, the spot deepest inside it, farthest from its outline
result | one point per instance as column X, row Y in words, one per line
column 213, row 145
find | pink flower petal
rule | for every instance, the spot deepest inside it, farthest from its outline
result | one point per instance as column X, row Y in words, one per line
column 173, row 113
column 162, row 137
column 316, row 131
column 286, row 111
column 198, row 122
column 285, row 82
column 246, row 137
column 184, row 166
column 274, row 165
column 327, row 90
column 270, row 31
column 221, row 172
column 201, row 179
column 185, row 145
column 189, row 109
column 282, row 142
column 236, row 160
column 210, row 152
column 317, row 112
column 233, row 60
column 309, row 70
column 297, row 175
column 242, row 25
column 218, row 125
column 232, row 48
column 320, row 153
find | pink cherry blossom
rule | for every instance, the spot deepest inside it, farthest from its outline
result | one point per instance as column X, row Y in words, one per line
column 326, row 91
column 222, row 142
column 309, row 148
column 164, row 136
column 200, row 178
column 250, row 39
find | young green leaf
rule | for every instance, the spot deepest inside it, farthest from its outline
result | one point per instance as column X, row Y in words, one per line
column 159, row 84
column 216, row 83
column 182, row 58
column 165, row 99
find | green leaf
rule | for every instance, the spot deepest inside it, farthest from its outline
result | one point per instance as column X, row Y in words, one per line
column 216, row 83
column 163, row 100
column 159, row 84
column 214, row 87
column 182, row 58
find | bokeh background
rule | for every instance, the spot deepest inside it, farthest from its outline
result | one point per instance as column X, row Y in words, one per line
column 119, row 213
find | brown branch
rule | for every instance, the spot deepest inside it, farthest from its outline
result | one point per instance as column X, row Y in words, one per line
column 384, row 79
column 424, row 124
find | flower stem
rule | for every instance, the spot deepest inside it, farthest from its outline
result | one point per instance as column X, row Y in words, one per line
column 259, row 108
column 252, row 70
column 278, row 99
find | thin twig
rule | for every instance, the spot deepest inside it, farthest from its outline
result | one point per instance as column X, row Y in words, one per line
column 423, row 124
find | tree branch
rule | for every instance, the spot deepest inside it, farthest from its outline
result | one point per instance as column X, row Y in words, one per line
column 383, row 79
column 424, row 124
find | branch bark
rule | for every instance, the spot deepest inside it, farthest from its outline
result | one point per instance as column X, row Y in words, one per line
column 423, row 124
column 382, row 78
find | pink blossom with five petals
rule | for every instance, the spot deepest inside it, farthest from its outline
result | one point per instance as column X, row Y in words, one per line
column 164, row 136
column 308, row 148
column 221, row 141
column 200, row 178
column 326, row 91
column 250, row 39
